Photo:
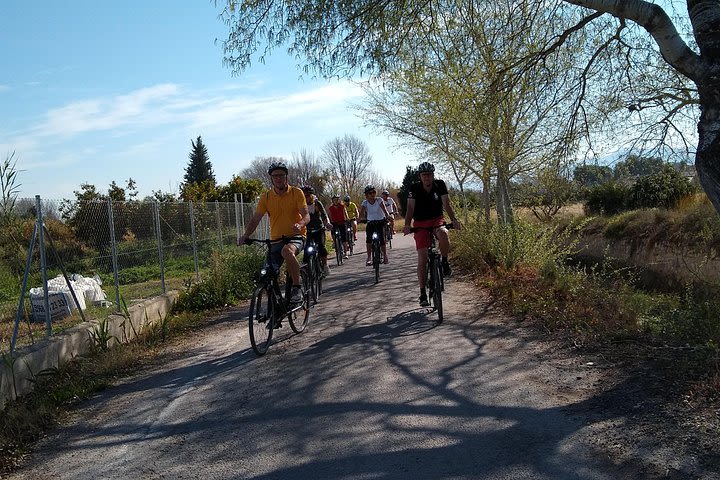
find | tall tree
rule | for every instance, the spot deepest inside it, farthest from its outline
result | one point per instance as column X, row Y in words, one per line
column 199, row 168
column 348, row 160
column 306, row 169
column 343, row 38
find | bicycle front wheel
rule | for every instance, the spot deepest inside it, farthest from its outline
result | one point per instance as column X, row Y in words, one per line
column 437, row 288
column 338, row 246
column 319, row 275
column 376, row 260
column 299, row 316
column 313, row 274
column 261, row 321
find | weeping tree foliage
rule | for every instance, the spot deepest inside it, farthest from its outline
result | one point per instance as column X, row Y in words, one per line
column 473, row 104
column 654, row 68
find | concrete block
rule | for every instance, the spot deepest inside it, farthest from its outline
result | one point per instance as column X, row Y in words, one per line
column 54, row 351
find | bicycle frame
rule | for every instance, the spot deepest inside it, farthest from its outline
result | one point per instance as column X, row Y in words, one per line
column 313, row 263
column 375, row 247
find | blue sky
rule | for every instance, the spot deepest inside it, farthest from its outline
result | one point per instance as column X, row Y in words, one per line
column 95, row 92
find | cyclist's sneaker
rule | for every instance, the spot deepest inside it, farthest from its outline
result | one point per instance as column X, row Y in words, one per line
column 368, row 263
column 296, row 297
column 385, row 260
column 345, row 255
column 447, row 271
column 424, row 300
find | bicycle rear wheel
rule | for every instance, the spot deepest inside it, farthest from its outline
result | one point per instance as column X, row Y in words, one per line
column 437, row 288
column 261, row 319
column 388, row 235
column 298, row 317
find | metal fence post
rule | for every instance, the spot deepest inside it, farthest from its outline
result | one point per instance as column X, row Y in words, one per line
column 237, row 217
column 219, row 225
column 158, row 234
column 113, row 249
column 242, row 211
column 43, row 264
column 194, row 241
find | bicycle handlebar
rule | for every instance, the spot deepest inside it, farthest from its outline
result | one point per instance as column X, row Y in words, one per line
column 384, row 220
column 430, row 229
column 267, row 241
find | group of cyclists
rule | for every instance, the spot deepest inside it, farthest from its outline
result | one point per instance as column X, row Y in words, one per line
column 297, row 213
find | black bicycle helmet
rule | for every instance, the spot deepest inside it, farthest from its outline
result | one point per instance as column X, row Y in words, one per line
column 385, row 192
column 334, row 196
column 426, row 167
column 346, row 198
column 308, row 189
column 369, row 189
column 277, row 166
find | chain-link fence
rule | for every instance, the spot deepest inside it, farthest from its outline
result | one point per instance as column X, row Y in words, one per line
column 133, row 249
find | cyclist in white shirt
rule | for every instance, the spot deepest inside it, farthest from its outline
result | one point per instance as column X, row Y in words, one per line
column 391, row 208
column 373, row 210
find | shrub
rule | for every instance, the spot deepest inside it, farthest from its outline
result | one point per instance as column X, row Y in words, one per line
column 663, row 189
column 230, row 279
column 608, row 198
column 508, row 246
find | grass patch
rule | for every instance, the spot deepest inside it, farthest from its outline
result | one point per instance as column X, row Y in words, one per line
column 526, row 268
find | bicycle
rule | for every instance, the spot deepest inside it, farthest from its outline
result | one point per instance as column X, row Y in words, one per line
column 388, row 234
column 375, row 247
column 434, row 280
column 337, row 243
column 314, row 265
column 350, row 238
column 268, row 306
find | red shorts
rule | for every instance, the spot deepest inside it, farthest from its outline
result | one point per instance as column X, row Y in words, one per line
column 422, row 237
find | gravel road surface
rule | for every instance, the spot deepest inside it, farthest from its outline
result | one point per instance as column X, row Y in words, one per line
column 374, row 388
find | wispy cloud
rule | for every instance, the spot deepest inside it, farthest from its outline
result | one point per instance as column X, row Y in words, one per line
column 106, row 114
column 274, row 110
column 171, row 104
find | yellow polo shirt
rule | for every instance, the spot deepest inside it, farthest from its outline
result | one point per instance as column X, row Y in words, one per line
column 283, row 210
column 352, row 210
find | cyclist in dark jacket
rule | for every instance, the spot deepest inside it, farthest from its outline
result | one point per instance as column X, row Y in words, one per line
column 426, row 201
column 318, row 219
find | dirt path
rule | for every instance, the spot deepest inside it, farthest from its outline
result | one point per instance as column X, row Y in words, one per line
column 374, row 388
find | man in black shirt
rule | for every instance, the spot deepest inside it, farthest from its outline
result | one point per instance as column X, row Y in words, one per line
column 426, row 201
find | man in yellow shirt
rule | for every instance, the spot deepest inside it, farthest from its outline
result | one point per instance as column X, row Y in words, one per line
column 353, row 214
column 288, row 213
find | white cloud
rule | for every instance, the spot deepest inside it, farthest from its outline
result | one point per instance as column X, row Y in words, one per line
column 106, row 114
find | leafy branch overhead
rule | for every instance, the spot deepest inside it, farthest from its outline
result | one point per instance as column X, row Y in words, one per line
column 639, row 75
